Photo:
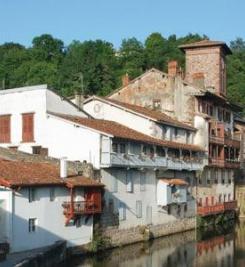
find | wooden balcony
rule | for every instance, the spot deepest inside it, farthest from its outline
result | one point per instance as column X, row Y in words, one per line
column 216, row 209
column 217, row 162
column 81, row 207
column 233, row 141
column 232, row 163
column 230, row 205
column 217, row 139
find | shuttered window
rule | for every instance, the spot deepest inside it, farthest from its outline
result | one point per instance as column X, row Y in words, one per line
column 139, row 209
column 28, row 127
column 5, row 129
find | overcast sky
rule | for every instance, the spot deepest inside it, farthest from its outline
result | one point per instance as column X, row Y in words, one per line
column 113, row 20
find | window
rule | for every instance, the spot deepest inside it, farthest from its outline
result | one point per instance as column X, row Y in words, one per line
column 142, row 181
column 129, row 182
column 32, row 194
column 139, row 209
column 156, row 103
column 36, row 150
column 114, row 183
column 78, row 222
column 28, row 127
column 32, row 223
column 122, row 148
column 188, row 137
column 115, row 147
column 5, row 129
column 52, row 194
column 122, row 211
column 220, row 114
column 111, row 205
column 164, row 131
column 175, row 133
column 185, row 207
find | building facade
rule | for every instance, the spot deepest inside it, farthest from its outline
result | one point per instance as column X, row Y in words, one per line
column 41, row 205
column 202, row 94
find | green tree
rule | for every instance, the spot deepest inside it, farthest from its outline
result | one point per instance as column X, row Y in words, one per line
column 131, row 57
column 95, row 61
column 155, row 51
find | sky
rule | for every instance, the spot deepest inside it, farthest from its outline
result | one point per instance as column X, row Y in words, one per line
column 114, row 20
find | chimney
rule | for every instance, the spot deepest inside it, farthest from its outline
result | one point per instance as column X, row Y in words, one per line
column 198, row 80
column 63, row 168
column 172, row 68
column 79, row 98
column 125, row 80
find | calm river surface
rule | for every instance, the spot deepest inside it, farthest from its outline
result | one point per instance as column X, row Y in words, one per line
column 222, row 247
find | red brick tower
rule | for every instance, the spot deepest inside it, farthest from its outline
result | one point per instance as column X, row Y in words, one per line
column 206, row 64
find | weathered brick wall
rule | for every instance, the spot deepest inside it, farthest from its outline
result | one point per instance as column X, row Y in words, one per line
column 206, row 61
column 142, row 233
column 153, row 85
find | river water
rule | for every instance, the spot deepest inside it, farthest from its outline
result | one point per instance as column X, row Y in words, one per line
column 220, row 247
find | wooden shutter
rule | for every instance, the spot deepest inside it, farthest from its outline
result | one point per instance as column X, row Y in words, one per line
column 5, row 129
column 28, row 127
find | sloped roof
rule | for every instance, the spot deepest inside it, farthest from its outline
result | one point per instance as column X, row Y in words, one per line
column 22, row 173
column 206, row 43
column 157, row 116
column 120, row 131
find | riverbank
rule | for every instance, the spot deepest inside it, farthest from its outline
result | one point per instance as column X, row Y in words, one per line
column 212, row 248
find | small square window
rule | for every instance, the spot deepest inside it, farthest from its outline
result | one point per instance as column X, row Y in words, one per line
column 32, row 225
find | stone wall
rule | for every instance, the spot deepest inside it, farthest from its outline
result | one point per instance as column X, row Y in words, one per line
column 142, row 233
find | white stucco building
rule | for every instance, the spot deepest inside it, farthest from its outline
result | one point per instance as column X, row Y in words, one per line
column 39, row 207
column 138, row 162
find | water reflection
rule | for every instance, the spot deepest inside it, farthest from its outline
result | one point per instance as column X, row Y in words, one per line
column 220, row 247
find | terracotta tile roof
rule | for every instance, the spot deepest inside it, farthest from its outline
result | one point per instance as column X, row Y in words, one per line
column 206, row 43
column 174, row 181
column 22, row 173
column 156, row 115
column 120, row 131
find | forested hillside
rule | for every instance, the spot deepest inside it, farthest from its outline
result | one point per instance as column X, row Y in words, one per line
column 96, row 67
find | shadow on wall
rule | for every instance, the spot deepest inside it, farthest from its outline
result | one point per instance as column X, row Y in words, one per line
column 121, row 198
column 23, row 235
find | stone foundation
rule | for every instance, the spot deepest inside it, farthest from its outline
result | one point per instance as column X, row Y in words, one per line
column 121, row 237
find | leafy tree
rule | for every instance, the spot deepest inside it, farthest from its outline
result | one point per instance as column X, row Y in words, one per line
column 155, row 51
column 95, row 62
column 131, row 57
column 47, row 48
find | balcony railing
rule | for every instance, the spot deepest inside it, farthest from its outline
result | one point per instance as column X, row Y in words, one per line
column 216, row 162
column 81, row 207
column 145, row 161
column 216, row 139
column 232, row 163
column 234, row 141
column 217, row 208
